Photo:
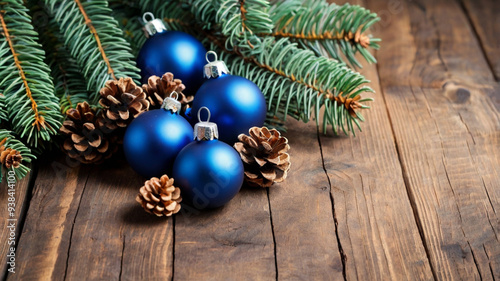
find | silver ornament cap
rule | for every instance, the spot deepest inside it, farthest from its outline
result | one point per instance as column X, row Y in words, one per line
column 153, row 25
column 205, row 130
column 171, row 103
column 215, row 68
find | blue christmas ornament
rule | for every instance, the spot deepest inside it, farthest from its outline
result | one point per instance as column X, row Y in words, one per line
column 236, row 103
column 208, row 172
column 171, row 51
column 153, row 140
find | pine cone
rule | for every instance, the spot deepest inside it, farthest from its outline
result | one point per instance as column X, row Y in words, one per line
column 123, row 101
column 158, row 89
column 9, row 157
column 84, row 141
column 160, row 196
column 264, row 155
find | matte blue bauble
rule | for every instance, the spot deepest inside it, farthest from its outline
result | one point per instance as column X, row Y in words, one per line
column 236, row 104
column 153, row 140
column 176, row 52
column 209, row 173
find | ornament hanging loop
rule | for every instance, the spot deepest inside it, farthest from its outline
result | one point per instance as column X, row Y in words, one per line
column 172, row 95
column 211, row 53
column 146, row 14
column 171, row 103
column 199, row 112
column 205, row 130
column 153, row 25
column 215, row 68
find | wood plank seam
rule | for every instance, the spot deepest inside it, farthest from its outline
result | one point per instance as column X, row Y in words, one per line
column 272, row 231
column 73, row 224
column 476, row 35
column 411, row 196
column 343, row 256
column 121, row 261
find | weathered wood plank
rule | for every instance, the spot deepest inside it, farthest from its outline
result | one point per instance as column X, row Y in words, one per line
column 436, row 83
column 484, row 17
column 9, row 238
column 234, row 242
column 86, row 223
column 306, row 242
column 377, row 232
column 113, row 236
column 376, row 226
column 43, row 244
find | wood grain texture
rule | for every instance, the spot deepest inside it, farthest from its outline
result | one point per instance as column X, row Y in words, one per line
column 306, row 240
column 43, row 245
column 22, row 189
column 376, row 226
column 234, row 242
column 86, row 224
column 437, row 84
column 113, row 236
column 486, row 22
column 415, row 196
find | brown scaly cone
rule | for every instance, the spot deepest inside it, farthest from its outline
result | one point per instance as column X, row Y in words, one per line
column 159, row 196
column 9, row 157
column 122, row 101
column 264, row 155
column 158, row 89
column 83, row 140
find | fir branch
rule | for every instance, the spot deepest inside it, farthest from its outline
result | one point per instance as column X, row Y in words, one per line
column 204, row 12
column 236, row 19
column 127, row 14
column 327, row 29
column 9, row 141
column 69, row 83
column 4, row 114
column 239, row 17
column 297, row 83
column 31, row 103
column 103, row 55
column 88, row 22
column 294, row 81
column 175, row 14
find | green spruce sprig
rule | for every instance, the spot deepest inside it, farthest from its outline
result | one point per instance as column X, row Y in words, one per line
column 174, row 14
column 297, row 83
column 69, row 83
column 295, row 80
column 32, row 107
column 93, row 38
column 326, row 29
column 131, row 23
column 4, row 114
column 8, row 140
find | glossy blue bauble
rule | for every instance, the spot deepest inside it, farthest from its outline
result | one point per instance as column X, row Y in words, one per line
column 176, row 52
column 153, row 140
column 209, row 173
column 236, row 104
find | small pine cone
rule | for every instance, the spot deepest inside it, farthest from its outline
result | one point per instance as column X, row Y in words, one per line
column 123, row 101
column 159, row 196
column 84, row 141
column 264, row 155
column 158, row 89
column 10, row 157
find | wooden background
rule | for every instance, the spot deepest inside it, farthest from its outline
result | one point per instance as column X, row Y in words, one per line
column 413, row 197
